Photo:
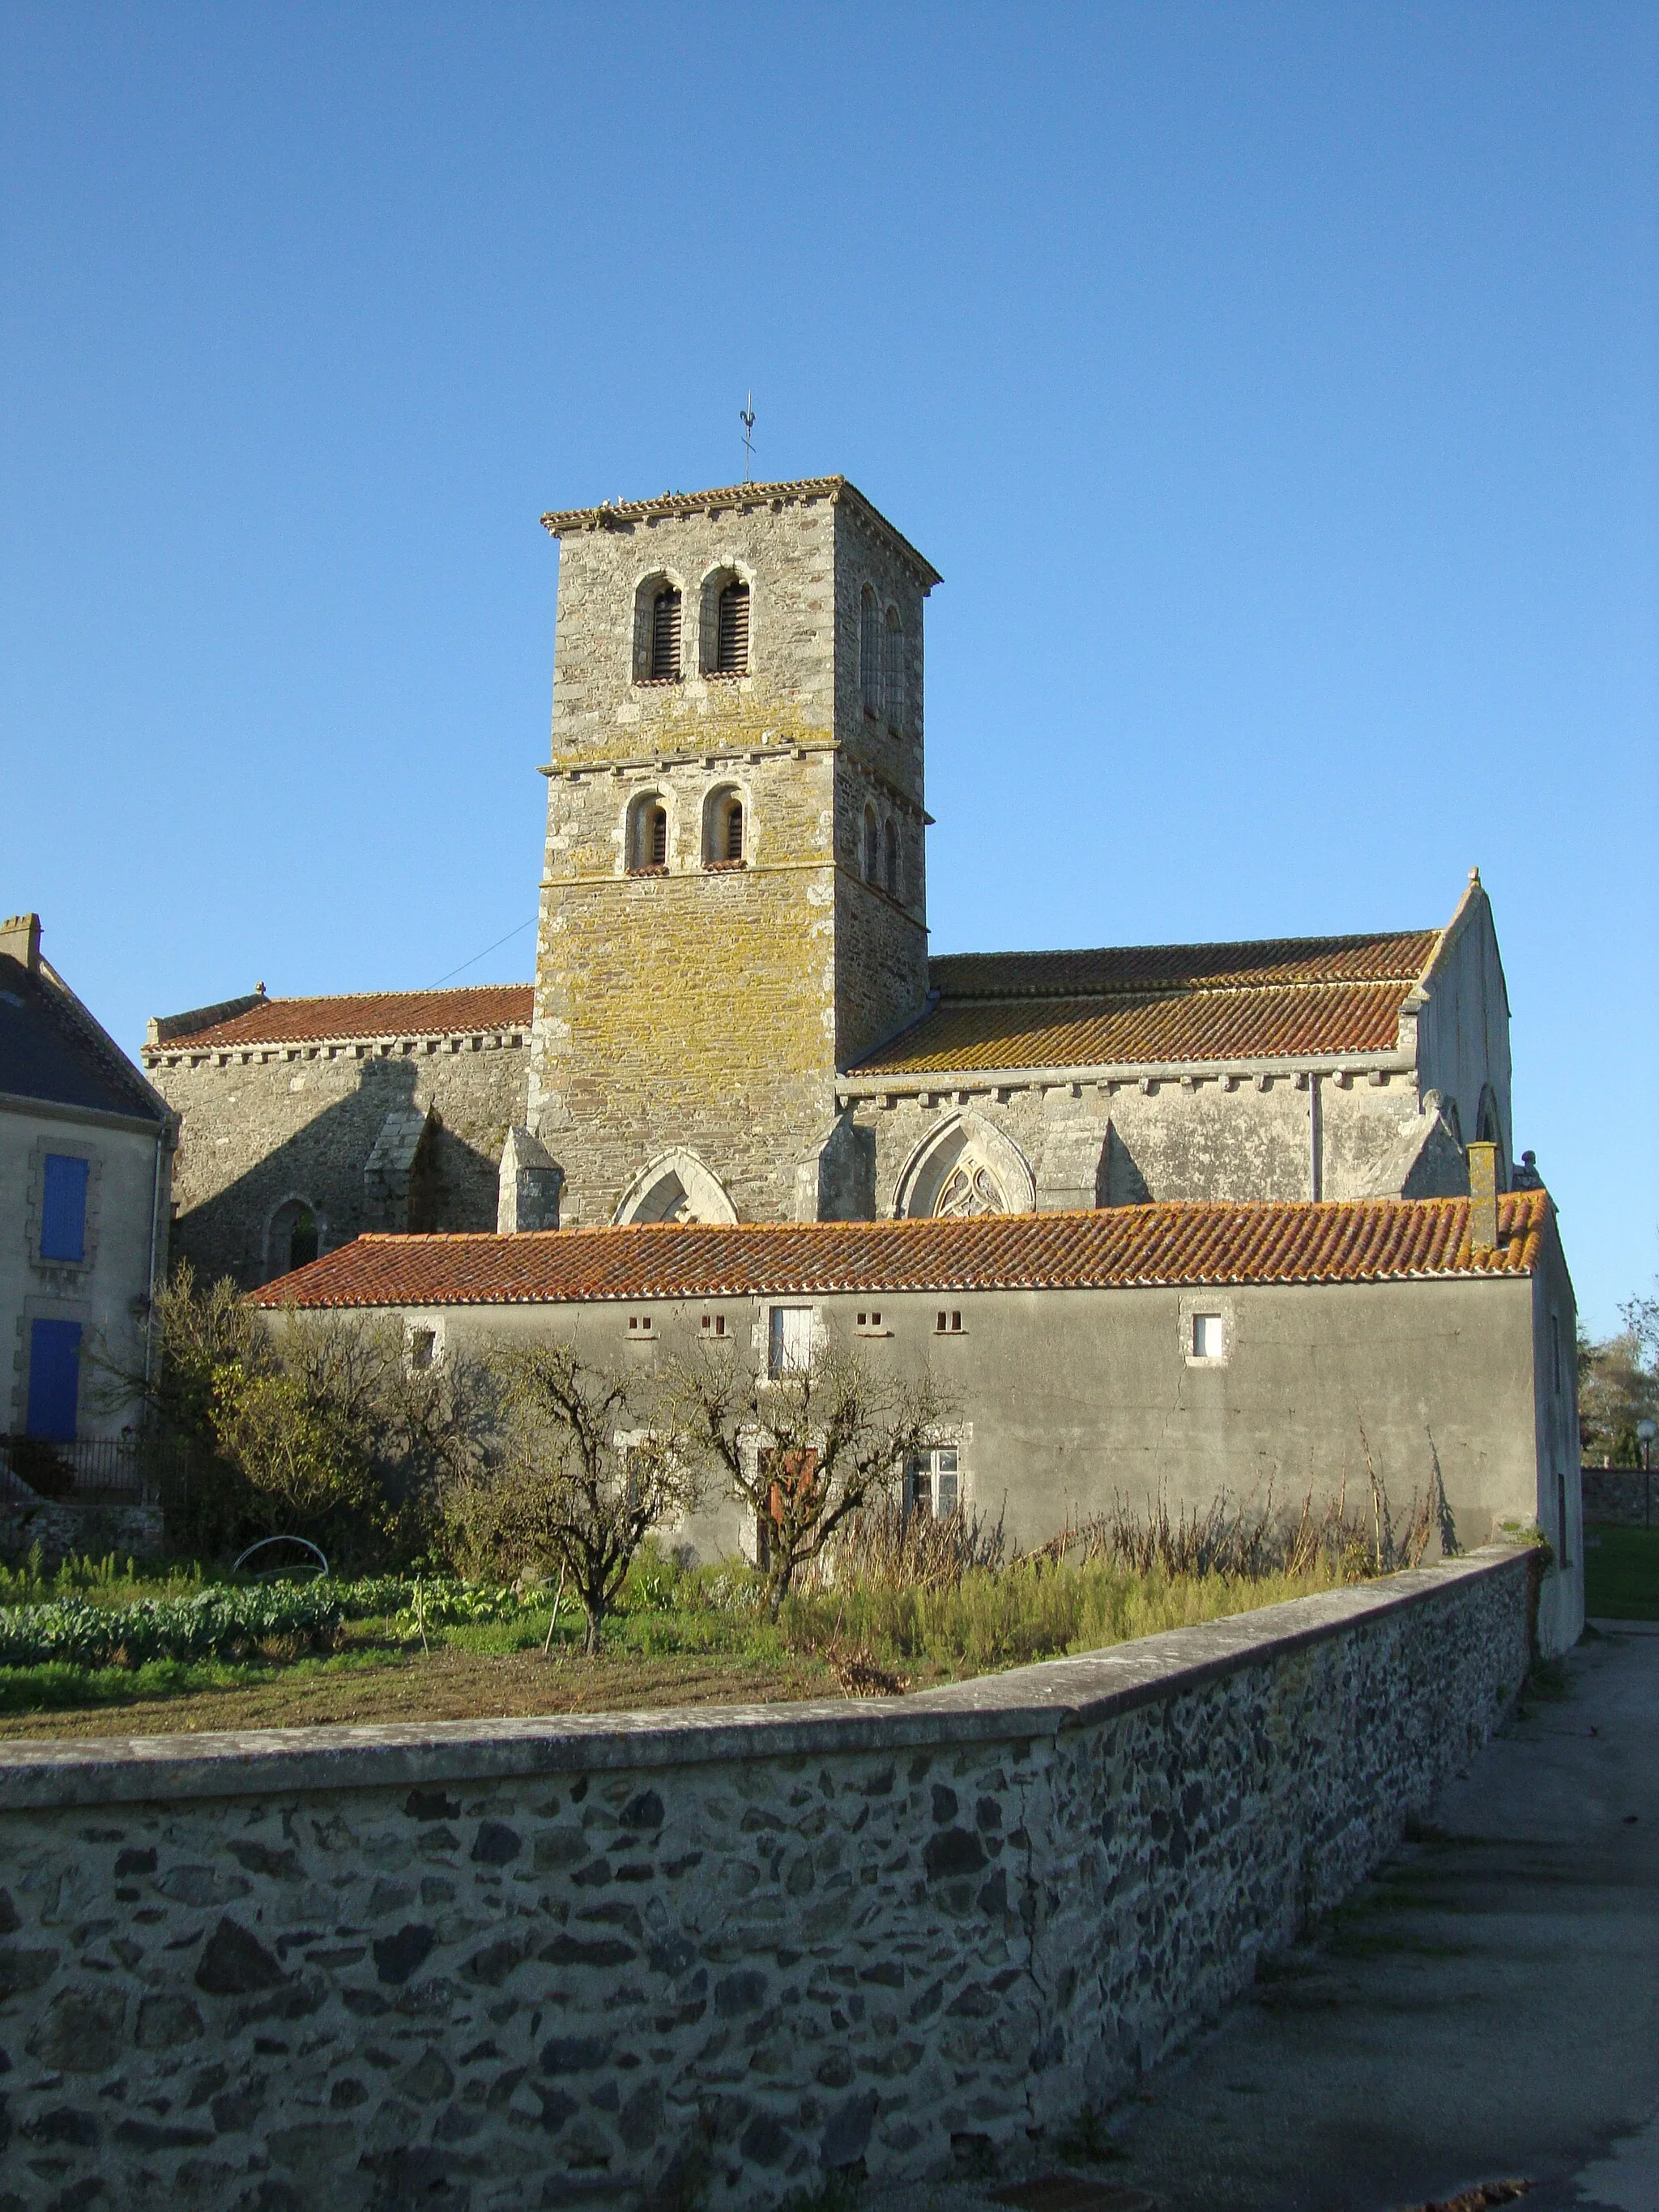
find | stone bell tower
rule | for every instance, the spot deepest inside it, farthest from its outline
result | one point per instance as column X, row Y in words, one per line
column 734, row 899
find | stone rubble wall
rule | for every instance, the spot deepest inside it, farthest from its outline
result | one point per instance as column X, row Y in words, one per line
column 701, row 1957
column 266, row 1123
column 1621, row 1496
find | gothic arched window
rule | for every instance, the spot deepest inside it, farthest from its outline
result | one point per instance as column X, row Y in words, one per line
column 870, row 653
column 294, row 1238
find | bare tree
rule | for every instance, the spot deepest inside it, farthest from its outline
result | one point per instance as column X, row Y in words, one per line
column 804, row 1450
column 584, row 1474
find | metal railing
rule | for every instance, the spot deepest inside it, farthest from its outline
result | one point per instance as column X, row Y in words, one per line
column 124, row 1470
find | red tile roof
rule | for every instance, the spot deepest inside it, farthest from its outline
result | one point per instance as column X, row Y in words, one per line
column 625, row 513
column 1371, row 1240
column 362, row 1014
column 1161, row 1005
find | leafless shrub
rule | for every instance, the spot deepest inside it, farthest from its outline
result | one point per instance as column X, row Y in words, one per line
column 883, row 1543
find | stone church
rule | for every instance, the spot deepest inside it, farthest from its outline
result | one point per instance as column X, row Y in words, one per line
column 735, row 1016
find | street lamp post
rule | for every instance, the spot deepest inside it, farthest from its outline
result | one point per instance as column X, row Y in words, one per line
column 1645, row 1433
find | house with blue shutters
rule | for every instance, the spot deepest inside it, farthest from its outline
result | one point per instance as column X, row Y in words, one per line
column 86, row 1148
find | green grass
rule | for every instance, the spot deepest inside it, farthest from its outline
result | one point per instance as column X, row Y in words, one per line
column 1621, row 1574
column 678, row 1635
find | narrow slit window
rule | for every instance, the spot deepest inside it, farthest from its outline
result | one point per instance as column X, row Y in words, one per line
column 891, row 859
column 948, row 1322
column 732, row 631
column 871, row 845
column 714, row 1325
column 666, row 636
column 892, row 673
column 869, row 655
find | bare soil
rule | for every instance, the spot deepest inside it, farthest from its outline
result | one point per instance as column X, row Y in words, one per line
column 443, row 1686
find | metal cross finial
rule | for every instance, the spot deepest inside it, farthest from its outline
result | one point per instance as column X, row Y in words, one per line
column 746, row 417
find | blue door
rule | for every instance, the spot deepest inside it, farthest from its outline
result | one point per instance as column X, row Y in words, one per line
column 54, row 1379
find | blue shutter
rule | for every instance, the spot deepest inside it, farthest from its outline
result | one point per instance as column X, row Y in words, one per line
column 54, row 1379
column 63, row 1209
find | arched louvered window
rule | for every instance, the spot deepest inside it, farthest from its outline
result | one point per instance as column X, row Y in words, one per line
column 665, row 634
column 732, row 631
column 892, row 673
column 647, row 835
column 870, row 647
column 872, row 846
column 723, row 829
column 889, row 856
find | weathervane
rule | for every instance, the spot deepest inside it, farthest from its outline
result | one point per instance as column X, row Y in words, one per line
column 746, row 417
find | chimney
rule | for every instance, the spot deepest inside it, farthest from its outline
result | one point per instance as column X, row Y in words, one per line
column 1483, row 1196
column 20, row 936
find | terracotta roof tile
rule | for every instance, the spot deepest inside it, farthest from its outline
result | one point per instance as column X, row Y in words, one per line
column 1372, row 1240
column 1140, row 1004
column 627, row 512
column 364, row 1014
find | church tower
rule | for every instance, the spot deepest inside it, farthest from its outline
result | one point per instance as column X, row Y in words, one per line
column 734, row 900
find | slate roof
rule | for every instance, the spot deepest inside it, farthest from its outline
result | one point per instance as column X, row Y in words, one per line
column 1162, row 1005
column 1356, row 1240
column 52, row 1050
column 367, row 1014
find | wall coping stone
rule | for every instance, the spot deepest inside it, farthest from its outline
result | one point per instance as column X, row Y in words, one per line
column 1021, row 1703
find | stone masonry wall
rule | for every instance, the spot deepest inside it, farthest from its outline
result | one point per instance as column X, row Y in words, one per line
column 1165, row 1138
column 264, row 1124
column 701, row 1957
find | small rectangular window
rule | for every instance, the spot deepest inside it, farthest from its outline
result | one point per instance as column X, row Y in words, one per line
column 869, row 1322
column 641, row 1325
column 948, row 1323
column 713, row 1324
column 64, row 1209
column 422, row 1346
column 789, row 1341
column 1209, row 1336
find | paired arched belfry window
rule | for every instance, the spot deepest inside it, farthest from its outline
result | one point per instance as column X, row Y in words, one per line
column 732, row 631
column 647, row 835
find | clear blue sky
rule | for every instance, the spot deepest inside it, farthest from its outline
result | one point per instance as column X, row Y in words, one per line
column 1277, row 389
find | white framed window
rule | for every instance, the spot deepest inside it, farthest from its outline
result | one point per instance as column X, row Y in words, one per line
column 788, row 1340
column 932, row 1483
column 1209, row 1338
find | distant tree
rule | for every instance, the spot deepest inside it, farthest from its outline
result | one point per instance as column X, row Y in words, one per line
column 307, row 1424
column 802, row 1450
column 584, row 1468
column 1619, row 1384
